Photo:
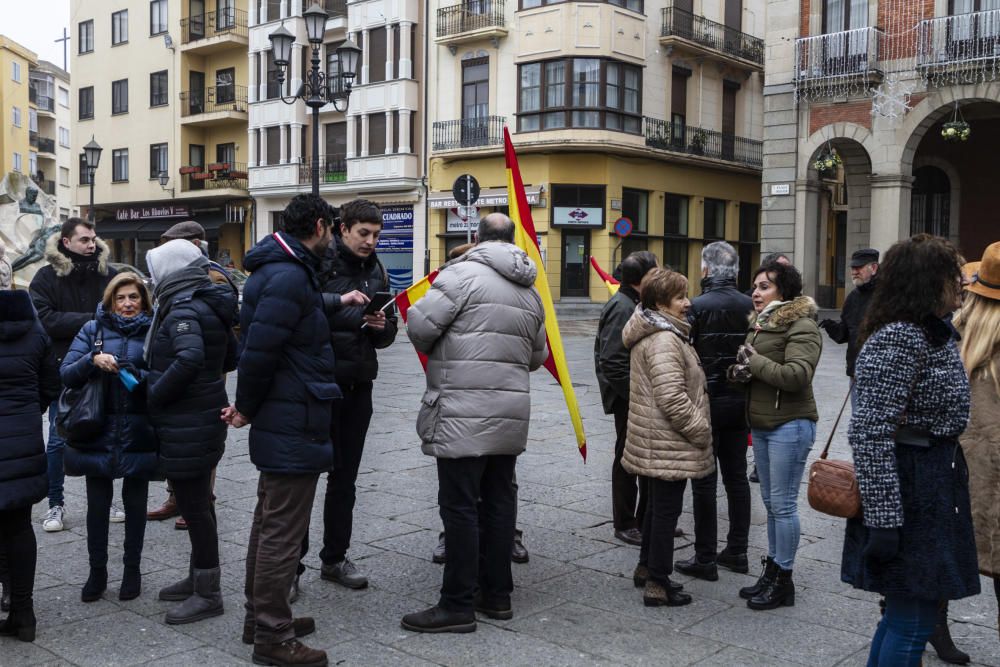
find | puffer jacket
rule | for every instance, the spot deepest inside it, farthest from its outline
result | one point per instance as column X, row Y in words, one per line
column 669, row 423
column 611, row 357
column 29, row 381
column 192, row 349
column 126, row 446
column 788, row 344
column 981, row 444
column 285, row 381
column 482, row 327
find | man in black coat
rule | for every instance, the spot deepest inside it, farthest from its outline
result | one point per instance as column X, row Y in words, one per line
column 864, row 275
column 66, row 292
column 719, row 320
column 611, row 363
column 351, row 265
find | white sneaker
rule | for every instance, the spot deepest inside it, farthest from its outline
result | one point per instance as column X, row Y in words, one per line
column 53, row 521
column 116, row 515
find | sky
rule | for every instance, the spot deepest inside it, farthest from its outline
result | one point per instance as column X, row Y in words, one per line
column 36, row 24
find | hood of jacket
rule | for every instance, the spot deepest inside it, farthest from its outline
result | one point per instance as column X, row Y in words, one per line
column 782, row 316
column 63, row 264
column 645, row 322
column 709, row 283
column 269, row 251
column 506, row 259
column 17, row 315
column 223, row 301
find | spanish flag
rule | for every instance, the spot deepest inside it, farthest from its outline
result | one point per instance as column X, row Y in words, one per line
column 609, row 281
column 409, row 297
column 526, row 239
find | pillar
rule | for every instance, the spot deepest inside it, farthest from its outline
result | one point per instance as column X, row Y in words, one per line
column 365, row 51
column 390, row 56
column 252, row 147
column 296, row 147
column 294, row 74
column 807, row 240
column 265, row 158
column 405, row 63
column 283, row 144
column 364, row 135
column 405, row 140
column 890, row 212
column 352, row 150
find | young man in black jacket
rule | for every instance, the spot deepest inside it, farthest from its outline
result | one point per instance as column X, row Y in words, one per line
column 611, row 362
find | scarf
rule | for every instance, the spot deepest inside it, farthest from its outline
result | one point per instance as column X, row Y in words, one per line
column 82, row 262
column 188, row 279
column 130, row 325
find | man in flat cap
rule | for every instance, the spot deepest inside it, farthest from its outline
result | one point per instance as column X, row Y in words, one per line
column 864, row 275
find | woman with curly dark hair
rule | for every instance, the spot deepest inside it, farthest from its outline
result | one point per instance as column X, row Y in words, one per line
column 915, row 542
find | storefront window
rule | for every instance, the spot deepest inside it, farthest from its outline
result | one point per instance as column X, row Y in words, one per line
column 715, row 219
column 749, row 244
column 578, row 206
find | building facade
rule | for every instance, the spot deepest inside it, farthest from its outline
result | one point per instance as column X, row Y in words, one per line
column 900, row 98
column 162, row 87
column 373, row 150
column 51, row 120
column 16, row 113
column 637, row 109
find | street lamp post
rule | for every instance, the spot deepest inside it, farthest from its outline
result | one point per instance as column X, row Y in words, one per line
column 320, row 89
column 92, row 156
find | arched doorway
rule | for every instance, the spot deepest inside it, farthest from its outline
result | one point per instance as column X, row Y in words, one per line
column 930, row 202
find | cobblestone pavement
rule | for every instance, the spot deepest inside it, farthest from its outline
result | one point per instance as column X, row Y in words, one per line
column 574, row 602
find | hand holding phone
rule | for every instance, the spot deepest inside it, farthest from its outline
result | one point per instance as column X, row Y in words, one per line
column 378, row 302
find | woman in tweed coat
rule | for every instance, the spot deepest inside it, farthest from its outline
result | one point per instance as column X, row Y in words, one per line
column 915, row 544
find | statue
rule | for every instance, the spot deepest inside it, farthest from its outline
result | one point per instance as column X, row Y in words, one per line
column 27, row 219
column 28, row 205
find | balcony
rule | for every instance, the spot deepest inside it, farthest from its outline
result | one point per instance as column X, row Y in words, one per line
column 696, row 34
column 332, row 169
column 214, row 106
column 467, row 133
column 215, row 31
column 48, row 187
column 665, row 136
column 335, row 9
column 33, row 139
column 969, row 41
column 470, row 21
column 838, row 57
column 46, row 146
column 216, row 176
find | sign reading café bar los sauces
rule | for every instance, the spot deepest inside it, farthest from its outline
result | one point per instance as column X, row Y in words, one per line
column 151, row 213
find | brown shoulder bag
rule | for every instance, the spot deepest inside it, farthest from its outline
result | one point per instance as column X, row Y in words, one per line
column 833, row 486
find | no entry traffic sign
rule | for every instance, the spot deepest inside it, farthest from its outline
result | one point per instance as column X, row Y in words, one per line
column 623, row 227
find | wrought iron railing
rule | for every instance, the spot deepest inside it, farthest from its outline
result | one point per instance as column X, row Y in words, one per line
column 48, row 187
column 227, row 21
column 46, row 145
column 213, row 99
column 849, row 53
column 470, row 15
column 332, row 169
column 682, row 23
column 214, row 176
column 963, row 38
column 468, row 133
column 680, row 138
column 334, row 8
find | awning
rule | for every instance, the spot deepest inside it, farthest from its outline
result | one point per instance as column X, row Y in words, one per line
column 151, row 230
column 487, row 197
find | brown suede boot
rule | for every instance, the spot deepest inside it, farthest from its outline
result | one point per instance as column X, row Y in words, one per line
column 302, row 626
column 289, row 653
column 167, row 510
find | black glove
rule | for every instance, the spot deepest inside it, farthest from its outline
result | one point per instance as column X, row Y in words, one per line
column 826, row 323
column 883, row 544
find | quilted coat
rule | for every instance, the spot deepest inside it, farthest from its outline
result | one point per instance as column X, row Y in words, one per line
column 482, row 327
column 669, row 423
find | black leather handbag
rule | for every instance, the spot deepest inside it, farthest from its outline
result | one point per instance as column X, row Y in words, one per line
column 80, row 412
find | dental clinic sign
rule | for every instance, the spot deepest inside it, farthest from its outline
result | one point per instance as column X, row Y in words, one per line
column 577, row 216
column 151, row 213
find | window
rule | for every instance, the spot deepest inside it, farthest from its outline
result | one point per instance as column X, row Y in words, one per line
column 841, row 15
column 635, row 207
column 273, row 137
column 16, row 116
column 715, row 219
column 119, row 27
column 226, row 153
column 225, row 14
column 157, row 17
column 63, row 97
column 157, row 160
column 64, row 137
column 85, row 41
column 225, row 85
column 86, row 102
column 336, row 139
column 675, row 231
column 158, row 89
column 17, row 162
column 377, row 54
column 64, row 176
column 634, row 5
column 32, row 120
column 678, row 105
column 15, row 71
column 119, row 165
column 119, row 96
column 84, row 170
column 376, row 134
column 273, row 89
column 33, row 166
column 578, row 206
column 334, row 82
column 599, row 93
column 749, row 244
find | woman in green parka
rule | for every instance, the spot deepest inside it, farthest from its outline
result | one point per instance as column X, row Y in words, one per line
column 777, row 363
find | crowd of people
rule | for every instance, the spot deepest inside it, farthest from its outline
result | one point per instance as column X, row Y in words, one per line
column 689, row 382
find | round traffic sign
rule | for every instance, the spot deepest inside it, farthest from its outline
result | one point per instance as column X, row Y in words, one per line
column 623, row 227
column 466, row 190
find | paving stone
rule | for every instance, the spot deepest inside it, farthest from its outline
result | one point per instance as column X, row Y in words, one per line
column 199, row 657
column 738, row 657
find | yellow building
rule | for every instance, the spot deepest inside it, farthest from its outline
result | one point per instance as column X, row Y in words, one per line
column 161, row 86
column 15, row 107
column 637, row 109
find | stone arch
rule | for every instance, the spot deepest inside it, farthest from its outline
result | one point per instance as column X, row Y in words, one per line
column 849, row 133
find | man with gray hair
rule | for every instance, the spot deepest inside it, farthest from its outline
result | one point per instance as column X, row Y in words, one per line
column 718, row 327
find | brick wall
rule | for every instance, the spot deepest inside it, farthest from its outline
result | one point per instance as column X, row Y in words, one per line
column 821, row 115
column 804, row 18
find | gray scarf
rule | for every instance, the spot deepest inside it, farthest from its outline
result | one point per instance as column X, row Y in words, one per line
column 188, row 279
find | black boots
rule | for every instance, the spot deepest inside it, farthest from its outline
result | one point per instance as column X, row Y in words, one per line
column 21, row 624
column 131, row 583
column 941, row 640
column 205, row 602
column 777, row 593
column 768, row 572
column 96, row 584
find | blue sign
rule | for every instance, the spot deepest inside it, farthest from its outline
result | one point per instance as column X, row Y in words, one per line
column 397, row 220
column 623, row 227
column 394, row 244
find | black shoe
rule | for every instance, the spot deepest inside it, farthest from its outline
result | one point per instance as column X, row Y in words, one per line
column 96, row 584
column 518, row 553
column 4, row 597
column 658, row 595
column 439, row 555
column 437, row 619
column 693, row 567
column 733, row 562
column 131, row 586
column 678, row 532
column 20, row 624
column 496, row 609
column 778, row 593
column 753, row 476
column 631, row 536
column 769, row 570
column 941, row 640
column 344, row 573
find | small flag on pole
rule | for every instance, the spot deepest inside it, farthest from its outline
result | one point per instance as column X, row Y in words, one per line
column 410, row 296
column 609, row 280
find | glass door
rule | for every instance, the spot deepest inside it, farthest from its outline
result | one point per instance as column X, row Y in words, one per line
column 575, row 259
column 196, row 19
column 196, row 92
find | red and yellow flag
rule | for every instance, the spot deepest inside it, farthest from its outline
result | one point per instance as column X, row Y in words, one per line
column 409, row 297
column 526, row 239
column 609, row 280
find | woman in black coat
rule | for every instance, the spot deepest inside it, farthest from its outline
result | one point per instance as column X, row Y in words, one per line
column 126, row 447
column 190, row 348
column 29, row 381
column 915, row 543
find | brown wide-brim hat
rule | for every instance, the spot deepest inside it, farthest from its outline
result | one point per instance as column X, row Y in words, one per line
column 987, row 279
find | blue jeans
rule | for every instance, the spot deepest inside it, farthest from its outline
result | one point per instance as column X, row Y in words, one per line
column 781, row 459
column 54, row 455
column 903, row 631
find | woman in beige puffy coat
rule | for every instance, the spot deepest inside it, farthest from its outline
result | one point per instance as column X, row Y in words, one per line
column 669, row 437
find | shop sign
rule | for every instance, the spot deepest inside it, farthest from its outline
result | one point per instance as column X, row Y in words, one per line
column 394, row 244
column 151, row 213
column 488, row 197
column 459, row 223
column 397, row 220
column 577, row 216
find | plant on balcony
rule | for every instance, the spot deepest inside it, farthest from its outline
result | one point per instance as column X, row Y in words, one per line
column 827, row 162
column 698, row 141
column 956, row 130
column 661, row 139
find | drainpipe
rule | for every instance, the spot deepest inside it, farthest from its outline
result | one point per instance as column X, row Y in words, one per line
column 426, row 141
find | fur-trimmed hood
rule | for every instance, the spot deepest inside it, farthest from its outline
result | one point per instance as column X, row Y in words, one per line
column 645, row 322
column 783, row 314
column 62, row 264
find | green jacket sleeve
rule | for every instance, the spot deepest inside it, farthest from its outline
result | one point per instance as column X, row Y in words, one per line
column 803, row 346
